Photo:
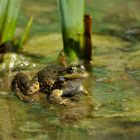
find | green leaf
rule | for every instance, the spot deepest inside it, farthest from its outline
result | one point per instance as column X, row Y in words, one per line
column 26, row 32
column 11, row 20
column 3, row 5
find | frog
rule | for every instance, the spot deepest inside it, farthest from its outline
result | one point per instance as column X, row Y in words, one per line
column 58, row 83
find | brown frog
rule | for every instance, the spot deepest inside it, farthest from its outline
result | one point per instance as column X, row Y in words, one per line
column 57, row 82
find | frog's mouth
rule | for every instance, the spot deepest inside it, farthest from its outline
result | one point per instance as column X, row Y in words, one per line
column 76, row 76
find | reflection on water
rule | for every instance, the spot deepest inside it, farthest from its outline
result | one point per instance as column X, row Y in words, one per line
column 32, row 121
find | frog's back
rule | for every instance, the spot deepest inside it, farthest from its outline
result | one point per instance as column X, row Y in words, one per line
column 51, row 71
column 48, row 76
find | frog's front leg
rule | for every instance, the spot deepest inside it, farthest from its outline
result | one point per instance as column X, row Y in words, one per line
column 55, row 97
column 24, row 88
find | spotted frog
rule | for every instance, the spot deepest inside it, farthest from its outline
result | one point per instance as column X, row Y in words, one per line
column 57, row 82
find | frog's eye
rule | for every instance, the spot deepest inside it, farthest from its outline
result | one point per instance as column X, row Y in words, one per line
column 82, row 67
column 71, row 69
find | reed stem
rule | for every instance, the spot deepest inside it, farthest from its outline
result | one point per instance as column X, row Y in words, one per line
column 71, row 13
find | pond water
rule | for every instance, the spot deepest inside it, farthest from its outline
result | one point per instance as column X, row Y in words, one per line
column 112, row 109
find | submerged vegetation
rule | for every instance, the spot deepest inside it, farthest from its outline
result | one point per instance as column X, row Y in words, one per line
column 9, row 11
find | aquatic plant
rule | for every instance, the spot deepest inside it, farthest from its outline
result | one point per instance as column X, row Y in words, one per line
column 10, row 19
column 9, row 11
column 74, row 30
column 3, row 5
column 26, row 32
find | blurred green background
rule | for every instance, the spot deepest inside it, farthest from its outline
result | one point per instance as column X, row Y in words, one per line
column 109, row 16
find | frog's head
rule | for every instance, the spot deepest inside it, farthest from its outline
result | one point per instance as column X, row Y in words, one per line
column 74, row 72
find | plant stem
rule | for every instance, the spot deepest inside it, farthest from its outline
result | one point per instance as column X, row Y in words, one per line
column 26, row 32
column 87, row 38
column 72, row 12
